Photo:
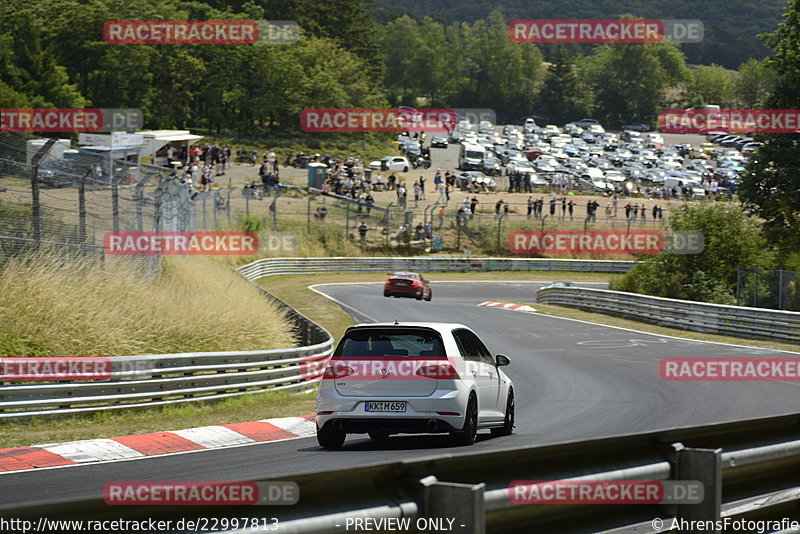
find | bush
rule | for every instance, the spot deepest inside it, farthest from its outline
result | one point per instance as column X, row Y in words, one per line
column 731, row 239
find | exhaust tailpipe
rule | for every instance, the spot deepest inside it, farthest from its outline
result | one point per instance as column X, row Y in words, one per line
column 337, row 425
column 433, row 424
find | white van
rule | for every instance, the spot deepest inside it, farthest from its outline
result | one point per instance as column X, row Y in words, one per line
column 471, row 156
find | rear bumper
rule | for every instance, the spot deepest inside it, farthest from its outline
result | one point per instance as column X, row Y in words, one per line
column 402, row 291
column 354, row 419
column 392, row 425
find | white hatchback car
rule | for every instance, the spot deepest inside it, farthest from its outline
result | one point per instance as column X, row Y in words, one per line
column 393, row 378
column 391, row 163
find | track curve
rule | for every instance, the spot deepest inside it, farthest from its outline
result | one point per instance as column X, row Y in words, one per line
column 573, row 380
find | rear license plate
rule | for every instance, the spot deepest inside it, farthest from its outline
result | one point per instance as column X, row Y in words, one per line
column 401, row 283
column 384, row 406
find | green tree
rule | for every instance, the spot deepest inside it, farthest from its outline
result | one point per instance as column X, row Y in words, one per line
column 502, row 75
column 731, row 238
column 709, row 85
column 771, row 185
column 564, row 96
column 755, row 81
column 630, row 80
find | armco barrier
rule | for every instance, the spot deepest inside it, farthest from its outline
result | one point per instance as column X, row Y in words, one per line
column 689, row 315
column 276, row 266
column 155, row 380
column 748, row 470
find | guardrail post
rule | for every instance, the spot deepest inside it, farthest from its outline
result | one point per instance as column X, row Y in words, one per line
column 705, row 466
column 459, row 507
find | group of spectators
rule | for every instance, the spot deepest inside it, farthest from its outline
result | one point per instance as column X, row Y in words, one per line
column 200, row 165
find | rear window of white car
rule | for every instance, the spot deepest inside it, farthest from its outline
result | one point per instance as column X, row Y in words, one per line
column 397, row 343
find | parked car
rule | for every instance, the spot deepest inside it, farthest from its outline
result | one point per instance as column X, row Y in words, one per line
column 435, row 378
column 464, row 179
column 491, row 166
column 439, row 141
column 636, row 127
column 411, row 285
column 560, row 284
column 391, row 163
column 585, row 123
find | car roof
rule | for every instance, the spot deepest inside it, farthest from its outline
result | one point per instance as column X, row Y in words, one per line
column 439, row 327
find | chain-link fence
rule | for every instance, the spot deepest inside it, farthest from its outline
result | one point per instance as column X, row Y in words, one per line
column 764, row 288
column 53, row 195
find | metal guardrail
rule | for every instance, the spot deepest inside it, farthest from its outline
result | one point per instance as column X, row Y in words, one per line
column 738, row 321
column 277, row 266
column 155, row 380
column 748, row 470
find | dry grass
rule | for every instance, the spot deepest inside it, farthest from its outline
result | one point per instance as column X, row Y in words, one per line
column 56, row 306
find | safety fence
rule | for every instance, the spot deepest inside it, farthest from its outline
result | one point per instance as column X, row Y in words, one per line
column 747, row 471
column 689, row 315
column 277, row 266
column 156, row 380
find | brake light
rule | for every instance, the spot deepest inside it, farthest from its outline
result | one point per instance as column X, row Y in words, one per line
column 414, row 284
column 441, row 371
column 337, row 371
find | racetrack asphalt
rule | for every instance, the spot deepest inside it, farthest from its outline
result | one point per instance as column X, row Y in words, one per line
column 573, row 380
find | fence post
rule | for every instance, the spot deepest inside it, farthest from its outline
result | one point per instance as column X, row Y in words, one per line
column 704, row 466
column 36, row 206
column 228, row 204
column 461, row 503
column 82, row 211
column 114, row 203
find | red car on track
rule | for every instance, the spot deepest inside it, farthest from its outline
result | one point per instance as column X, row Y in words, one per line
column 411, row 285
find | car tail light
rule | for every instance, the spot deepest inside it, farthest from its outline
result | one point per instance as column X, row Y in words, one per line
column 326, row 412
column 337, row 371
column 414, row 284
column 441, row 371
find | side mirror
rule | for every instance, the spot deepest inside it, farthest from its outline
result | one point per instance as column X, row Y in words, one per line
column 501, row 360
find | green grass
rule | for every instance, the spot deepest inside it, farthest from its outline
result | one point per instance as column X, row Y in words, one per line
column 244, row 408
